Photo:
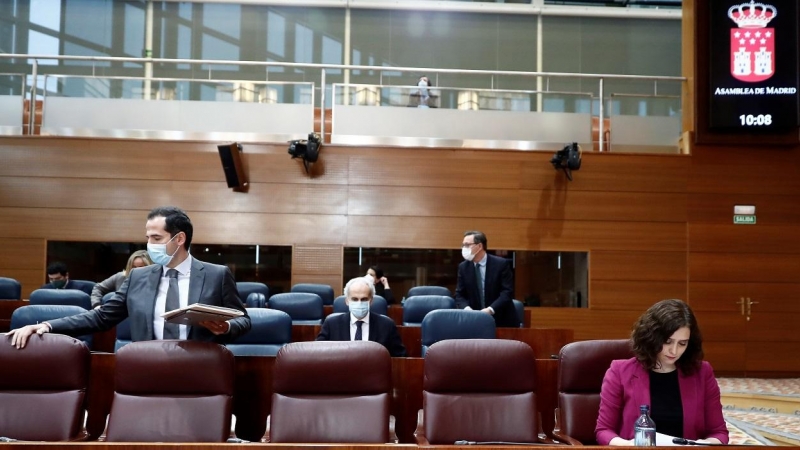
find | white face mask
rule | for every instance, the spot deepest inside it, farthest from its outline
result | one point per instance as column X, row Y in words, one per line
column 359, row 309
column 466, row 252
column 158, row 252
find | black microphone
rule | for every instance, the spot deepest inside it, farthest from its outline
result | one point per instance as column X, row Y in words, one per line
column 682, row 441
column 465, row 443
column 498, row 443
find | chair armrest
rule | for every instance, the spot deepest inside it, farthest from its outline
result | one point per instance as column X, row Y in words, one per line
column 561, row 437
column 419, row 433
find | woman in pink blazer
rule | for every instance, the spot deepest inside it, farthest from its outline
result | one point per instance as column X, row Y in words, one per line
column 668, row 374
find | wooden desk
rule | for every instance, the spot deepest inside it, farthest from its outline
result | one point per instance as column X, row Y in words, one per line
column 7, row 308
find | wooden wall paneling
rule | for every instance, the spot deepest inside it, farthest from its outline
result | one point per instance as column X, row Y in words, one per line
column 772, row 327
column 24, row 260
column 722, row 326
column 611, row 172
column 775, row 356
column 722, row 297
column 729, row 238
column 771, row 209
column 410, row 201
column 637, row 266
column 727, row 358
column 688, row 68
column 586, row 323
column 753, row 178
column 633, row 295
column 513, row 234
column 318, row 264
column 569, row 204
column 452, row 169
column 210, row 227
column 743, row 267
column 79, row 193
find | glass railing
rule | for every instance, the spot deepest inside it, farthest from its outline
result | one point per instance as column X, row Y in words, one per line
column 177, row 108
column 12, row 103
column 644, row 123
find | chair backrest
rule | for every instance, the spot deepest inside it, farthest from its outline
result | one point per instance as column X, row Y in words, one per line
column 10, row 289
column 379, row 305
column 415, row 308
column 123, row 334
column 61, row 297
column 256, row 300
column 185, row 397
column 428, row 290
column 446, row 324
column 479, row 390
column 520, row 308
column 271, row 329
column 42, row 388
column 302, row 307
column 33, row 314
column 82, row 285
column 582, row 366
column 331, row 392
column 324, row 291
column 246, row 288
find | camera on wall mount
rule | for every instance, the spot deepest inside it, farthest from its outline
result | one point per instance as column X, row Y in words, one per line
column 306, row 149
column 567, row 159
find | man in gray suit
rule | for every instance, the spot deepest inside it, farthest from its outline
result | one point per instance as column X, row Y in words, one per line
column 175, row 280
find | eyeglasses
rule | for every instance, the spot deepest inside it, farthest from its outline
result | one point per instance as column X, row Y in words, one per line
column 468, row 245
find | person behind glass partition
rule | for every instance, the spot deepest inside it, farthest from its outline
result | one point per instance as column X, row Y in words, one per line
column 381, row 284
column 669, row 375
column 424, row 94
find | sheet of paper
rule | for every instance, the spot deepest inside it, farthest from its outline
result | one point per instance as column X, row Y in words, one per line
column 665, row 440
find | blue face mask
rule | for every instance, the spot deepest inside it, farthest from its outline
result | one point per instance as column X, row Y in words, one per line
column 158, row 253
column 359, row 309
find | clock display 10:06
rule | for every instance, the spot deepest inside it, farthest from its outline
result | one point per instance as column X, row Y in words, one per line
column 749, row 120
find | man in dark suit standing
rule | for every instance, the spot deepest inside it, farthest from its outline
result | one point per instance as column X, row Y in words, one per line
column 175, row 280
column 360, row 324
column 485, row 282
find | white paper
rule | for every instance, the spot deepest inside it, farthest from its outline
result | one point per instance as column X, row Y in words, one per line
column 665, row 440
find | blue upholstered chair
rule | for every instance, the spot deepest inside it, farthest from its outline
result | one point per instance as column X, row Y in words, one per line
column 246, row 288
column 378, row 306
column 33, row 314
column 271, row 330
column 123, row 335
column 302, row 307
column 428, row 290
column 82, row 285
column 10, row 289
column 520, row 307
column 324, row 291
column 256, row 300
column 444, row 324
column 61, row 297
column 415, row 308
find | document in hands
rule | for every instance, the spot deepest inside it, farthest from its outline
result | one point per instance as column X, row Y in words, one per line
column 198, row 312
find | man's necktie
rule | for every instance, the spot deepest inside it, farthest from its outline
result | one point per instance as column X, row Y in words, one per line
column 359, row 336
column 172, row 330
column 479, row 280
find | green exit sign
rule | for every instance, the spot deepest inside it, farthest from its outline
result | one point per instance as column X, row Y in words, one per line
column 744, row 219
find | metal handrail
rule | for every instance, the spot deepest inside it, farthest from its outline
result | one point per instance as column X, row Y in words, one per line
column 347, row 67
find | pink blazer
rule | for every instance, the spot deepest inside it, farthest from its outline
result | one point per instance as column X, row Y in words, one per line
column 626, row 386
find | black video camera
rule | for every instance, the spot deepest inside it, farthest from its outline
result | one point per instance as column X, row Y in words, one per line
column 567, row 159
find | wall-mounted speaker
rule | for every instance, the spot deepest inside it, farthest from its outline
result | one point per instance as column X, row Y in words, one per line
column 231, row 157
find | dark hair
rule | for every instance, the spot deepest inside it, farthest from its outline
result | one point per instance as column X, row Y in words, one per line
column 175, row 221
column 378, row 273
column 478, row 237
column 57, row 267
column 657, row 324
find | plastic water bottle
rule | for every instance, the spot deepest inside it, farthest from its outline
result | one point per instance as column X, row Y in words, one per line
column 644, row 430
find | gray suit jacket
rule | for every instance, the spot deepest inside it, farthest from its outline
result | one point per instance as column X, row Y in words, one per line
column 209, row 284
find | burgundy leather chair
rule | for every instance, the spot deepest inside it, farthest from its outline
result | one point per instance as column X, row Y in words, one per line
column 480, row 390
column 172, row 391
column 42, row 388
column 582, row 366
column 331, row 392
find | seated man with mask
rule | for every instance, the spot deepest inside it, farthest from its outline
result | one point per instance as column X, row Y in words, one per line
column 361, row 324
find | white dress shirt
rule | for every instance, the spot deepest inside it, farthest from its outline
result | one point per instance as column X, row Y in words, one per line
column 184, row 270
column 364, row 327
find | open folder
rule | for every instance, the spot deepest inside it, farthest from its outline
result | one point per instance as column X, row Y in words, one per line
column 198, row 312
